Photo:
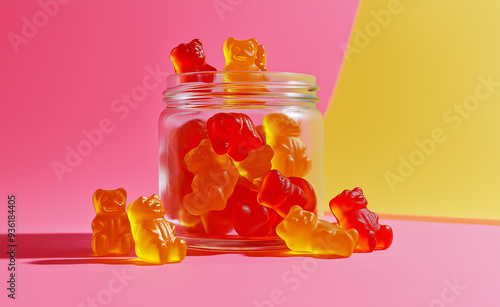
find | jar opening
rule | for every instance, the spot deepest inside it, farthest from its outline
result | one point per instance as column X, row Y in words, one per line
column 241, row 85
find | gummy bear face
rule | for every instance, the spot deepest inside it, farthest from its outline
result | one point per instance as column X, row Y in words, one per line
column 189, row 54
column 353, row 199
column 110, row 201
column 148, row 208
column 300, row 221
column 240, row 52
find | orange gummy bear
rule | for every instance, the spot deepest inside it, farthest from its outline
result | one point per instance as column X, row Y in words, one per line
column 283, row 135
column 241, row 58
column 260, row 59
column 154, row 236
column 303, row 232
column 111, row 232
column 256, row 165
column 214, row 180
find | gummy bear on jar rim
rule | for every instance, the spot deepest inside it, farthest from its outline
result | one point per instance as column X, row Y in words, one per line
column 241, row 56
column 191, row 57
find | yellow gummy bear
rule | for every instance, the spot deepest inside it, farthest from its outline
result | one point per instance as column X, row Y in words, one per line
column 256, row 165
column 214, row 180
column 283, row 135
column 303, row 232
column 154, row 236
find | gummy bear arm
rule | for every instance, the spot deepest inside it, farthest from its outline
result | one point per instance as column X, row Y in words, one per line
column 98, row 224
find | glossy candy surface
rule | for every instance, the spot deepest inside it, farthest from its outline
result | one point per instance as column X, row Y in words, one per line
column 214, row 179
column 154, row 236
column 303, row 232
column 181, row 141
column 256, row 165
column 279, row 193
column 283, row 135
column 111, row 233
column 234, row 134
column 251, row 218
column 350, row 209
column 191, row 57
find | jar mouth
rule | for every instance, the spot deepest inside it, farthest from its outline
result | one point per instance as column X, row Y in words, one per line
column 241, row 84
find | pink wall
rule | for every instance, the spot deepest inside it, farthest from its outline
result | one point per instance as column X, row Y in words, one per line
column 72, row 68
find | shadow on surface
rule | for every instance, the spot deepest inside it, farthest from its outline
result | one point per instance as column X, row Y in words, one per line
column 50, row 245
column 77, row 247
column 95, row 260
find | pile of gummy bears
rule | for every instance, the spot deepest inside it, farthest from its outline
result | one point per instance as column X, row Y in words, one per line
column 271, row 198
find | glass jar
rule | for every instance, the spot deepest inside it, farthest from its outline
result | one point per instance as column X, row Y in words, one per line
column 212, row 176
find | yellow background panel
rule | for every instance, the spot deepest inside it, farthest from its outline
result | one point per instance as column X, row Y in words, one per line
column 415, row 117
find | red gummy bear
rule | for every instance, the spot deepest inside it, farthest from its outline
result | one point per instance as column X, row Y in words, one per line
column 309, row 191
column 191, row 57
column 279, row 193
column 181, row 141
column 251, row 218
column 220, row 222
column 349, row 207
column 234, row 134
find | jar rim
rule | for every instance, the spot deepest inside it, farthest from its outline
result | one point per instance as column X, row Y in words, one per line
column 240, row 87
column 175, row 80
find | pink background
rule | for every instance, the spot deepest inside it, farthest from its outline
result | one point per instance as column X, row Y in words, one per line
column 65, row 80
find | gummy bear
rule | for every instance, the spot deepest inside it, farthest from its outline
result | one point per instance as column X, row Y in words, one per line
column 309, row 191
column 303, row 232
column 349, row 207
column 274, row 219
column 154, row 236
column 240, row 60
column 190, row 223
column 191, row 57
column 214, row 179
column 260, row 59
column 256, row 165
column 283, row 135
column 178, row 183
column 111, row 232
column 278, row 193
column 251, row 218
column 220, row 222
column 234, row 134
column 240, row 54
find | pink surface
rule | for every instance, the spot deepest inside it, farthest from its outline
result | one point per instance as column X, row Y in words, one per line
column 73, row 71
column 420, row 269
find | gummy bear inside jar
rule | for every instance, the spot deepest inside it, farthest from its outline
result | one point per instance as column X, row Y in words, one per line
column 217, row 160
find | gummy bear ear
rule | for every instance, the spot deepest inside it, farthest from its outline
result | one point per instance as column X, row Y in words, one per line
column 254, row 42
column 229, row 42
column 97, row 194
column 123, row 192
column 197, row 42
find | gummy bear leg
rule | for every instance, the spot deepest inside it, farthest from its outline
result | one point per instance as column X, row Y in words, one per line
column 367, row 241
column 384, row 237
column 100, row 244
column 126, row 243
column 174, row 251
